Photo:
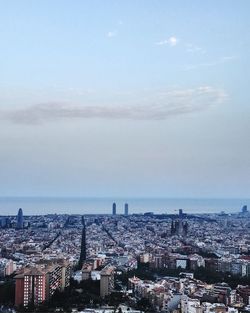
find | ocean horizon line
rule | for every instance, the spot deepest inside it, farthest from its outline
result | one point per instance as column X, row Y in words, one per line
column 103, row 205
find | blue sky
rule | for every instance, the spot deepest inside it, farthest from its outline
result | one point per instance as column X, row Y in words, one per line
column 125, row 98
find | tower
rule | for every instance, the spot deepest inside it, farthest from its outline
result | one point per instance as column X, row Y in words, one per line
column 244, row 209
column 126, row 209
column 83, row 244
column 114, row 209
column 19, row 224
column 180, row 213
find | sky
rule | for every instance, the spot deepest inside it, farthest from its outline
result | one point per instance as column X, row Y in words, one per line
column 125, row 98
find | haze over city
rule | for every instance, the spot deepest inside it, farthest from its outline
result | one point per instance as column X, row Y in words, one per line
column 125, row 98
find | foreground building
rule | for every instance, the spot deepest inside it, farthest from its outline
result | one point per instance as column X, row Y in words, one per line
column 37, row 284
column 107, row 281
column 30, row 287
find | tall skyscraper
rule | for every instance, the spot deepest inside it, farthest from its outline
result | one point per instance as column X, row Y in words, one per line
column 83, row 244
column 114, row 209
column 126, row 209
column 244, row 209
column 180, row 213
column 19, row 219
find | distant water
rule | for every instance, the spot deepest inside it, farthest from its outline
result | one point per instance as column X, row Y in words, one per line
column 37, row 206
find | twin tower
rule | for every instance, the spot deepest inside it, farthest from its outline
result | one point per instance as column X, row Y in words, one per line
column 125, row 209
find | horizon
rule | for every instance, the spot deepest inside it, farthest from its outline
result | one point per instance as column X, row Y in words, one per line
column 84, row 205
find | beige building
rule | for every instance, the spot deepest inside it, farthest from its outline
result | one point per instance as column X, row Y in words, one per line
column 107, row 281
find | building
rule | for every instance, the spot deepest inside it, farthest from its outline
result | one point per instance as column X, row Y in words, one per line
column 7, row 267
column 107, row 281
column 19, row 224
column 179, row 227
column 158, row 261
column 53, row 279
column 4, row 222
column 126, row 209
column 35, row 285
column 189, row 305
column 114, row 209
column 145, row 258
column 244, row 209
column 30, row 287
column 86, row 271
column 66, row 273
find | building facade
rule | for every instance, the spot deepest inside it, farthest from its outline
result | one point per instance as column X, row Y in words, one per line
column 37, row 284
column 107, row 281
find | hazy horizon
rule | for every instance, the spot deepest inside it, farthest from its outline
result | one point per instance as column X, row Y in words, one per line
column 84, row 205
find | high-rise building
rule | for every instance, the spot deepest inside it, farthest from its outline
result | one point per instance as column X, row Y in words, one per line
column 19, row 290
column 83, row 255
column 244, row 209
column 180, row 213
column 19, row 224
column 107, row 281
column 37, row 284
column 4, row 222
column 30, row 287
column 66, row 274
column 114, row 209
column 126, row 209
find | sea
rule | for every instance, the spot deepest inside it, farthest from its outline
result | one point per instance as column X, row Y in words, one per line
column 59, row 205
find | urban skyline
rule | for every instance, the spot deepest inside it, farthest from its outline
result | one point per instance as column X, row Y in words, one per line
column 180, row 263
column 124, row 158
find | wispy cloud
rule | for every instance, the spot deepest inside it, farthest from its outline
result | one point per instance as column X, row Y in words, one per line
column 113, row 33
column 171, row 41
column 157, row 105
column 229, row 58
column 191, row 48
column 222, row 60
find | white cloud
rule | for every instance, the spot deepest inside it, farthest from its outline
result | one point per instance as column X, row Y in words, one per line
column 171, row 41
column 220, row 61
column 111, row 34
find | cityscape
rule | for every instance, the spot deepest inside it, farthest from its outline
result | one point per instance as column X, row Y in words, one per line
column 124, row 156
column 117, row 262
